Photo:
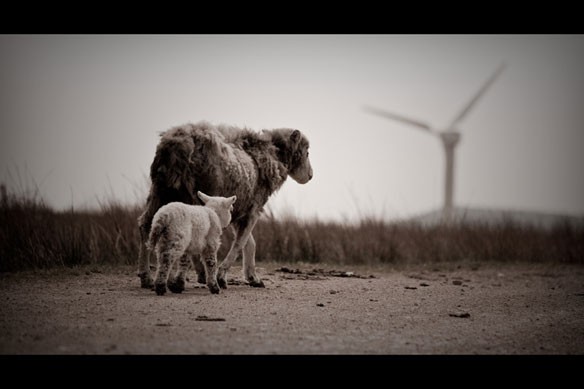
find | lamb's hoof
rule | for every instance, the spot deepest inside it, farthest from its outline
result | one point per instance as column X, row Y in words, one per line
column 222, row 283
column 176, row 286
column 214, row 289
column 257, row 284
column 202, row 278
column 160, row 289
column 146, row 281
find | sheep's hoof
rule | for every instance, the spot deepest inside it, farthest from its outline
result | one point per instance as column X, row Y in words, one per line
column 176, row 286
column 160, row 289
column 214, row 289
column 257, row 284
column 222, row 283
column 202, row 278
column 146, row 281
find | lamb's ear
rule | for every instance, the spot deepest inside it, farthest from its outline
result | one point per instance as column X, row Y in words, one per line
column 204, row 198
column 295, row 137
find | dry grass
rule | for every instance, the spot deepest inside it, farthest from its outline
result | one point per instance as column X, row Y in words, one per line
column 33, row 236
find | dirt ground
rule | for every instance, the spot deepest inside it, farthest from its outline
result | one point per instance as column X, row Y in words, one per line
column 432, row 309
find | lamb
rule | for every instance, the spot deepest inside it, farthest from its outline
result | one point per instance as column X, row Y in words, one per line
column 189, row 232
column 221, row 161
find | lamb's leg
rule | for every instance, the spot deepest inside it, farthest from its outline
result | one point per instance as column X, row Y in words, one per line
column 241, row 237
column 210, row 263
column 200, row 269
column 164, row 263
column 249, row 264
column 177, row 284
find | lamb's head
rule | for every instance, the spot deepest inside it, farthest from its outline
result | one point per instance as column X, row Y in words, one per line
column 223, row 206
column 292, row 148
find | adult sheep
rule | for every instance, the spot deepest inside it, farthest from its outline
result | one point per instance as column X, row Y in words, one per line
column 223, row 161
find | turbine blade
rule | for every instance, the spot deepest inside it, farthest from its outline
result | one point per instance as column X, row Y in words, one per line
column 476, row 97
column 393, row 116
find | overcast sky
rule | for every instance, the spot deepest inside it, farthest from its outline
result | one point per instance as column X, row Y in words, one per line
column 81, row 114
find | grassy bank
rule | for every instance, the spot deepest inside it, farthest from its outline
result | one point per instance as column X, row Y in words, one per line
column 32, row 236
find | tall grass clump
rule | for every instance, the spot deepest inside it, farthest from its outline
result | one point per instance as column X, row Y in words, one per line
column 374, row 241
column 33, row 235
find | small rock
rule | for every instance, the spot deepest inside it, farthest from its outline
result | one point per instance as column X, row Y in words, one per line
column 462, row 315
column 110, row 319
column 87, row 292
column 111, row 347
column 332, row 291
column 424, row 284
column 163, row 324
column 320, row 305
column 457, row 282
column 207, row 318
column 374, row 300
column 410, row 287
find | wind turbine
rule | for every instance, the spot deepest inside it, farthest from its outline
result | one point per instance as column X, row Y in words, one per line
column 450, row 137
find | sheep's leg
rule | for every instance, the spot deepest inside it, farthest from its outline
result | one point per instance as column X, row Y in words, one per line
column 210, row 264
column 144, row 262
column 177, row 284
column 249, row 264
column 200, row 269
column 145, row 224
column 241, row 238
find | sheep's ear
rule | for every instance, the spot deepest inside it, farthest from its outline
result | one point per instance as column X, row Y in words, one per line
column 203, row 197
column 232, row 199
column 295, row 137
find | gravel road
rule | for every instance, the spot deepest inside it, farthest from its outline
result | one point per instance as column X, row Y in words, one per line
column 418, row 309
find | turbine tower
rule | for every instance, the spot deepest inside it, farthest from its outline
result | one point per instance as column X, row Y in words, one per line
column 449, row 137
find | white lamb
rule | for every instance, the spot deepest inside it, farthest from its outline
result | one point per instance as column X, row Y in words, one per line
column 185, row 232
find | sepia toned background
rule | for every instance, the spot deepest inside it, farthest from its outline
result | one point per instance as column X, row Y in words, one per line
column 80, row 115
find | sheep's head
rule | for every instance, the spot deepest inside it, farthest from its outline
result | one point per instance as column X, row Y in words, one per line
column 223, row 206
column 293, row 151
